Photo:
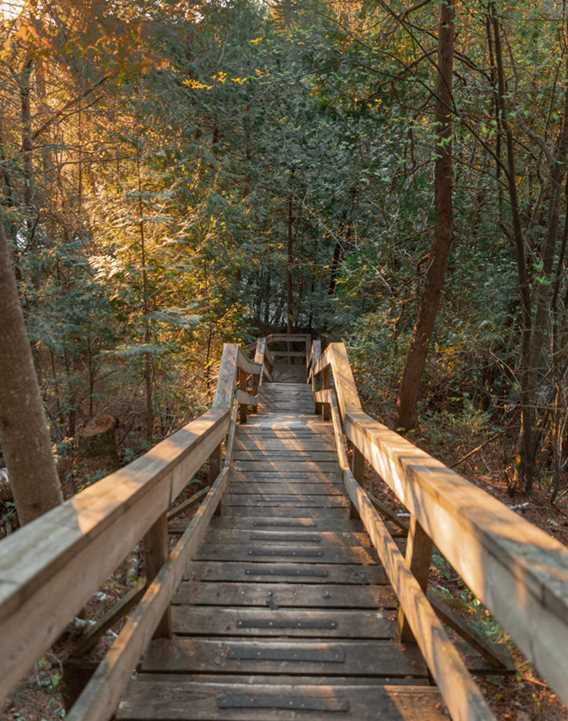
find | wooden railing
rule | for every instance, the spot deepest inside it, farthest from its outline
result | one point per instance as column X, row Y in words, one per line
column 51, row 568
column 518, row 571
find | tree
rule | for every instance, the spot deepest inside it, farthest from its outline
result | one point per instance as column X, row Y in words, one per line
column 24, row 434
column 439, row 254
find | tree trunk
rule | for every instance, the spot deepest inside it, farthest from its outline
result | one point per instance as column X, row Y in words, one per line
column 416, row 358
column 148, row 365
column 290, row 287
column 24, row 435
column 523, row 465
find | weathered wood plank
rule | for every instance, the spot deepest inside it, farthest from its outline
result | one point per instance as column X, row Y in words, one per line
column 266, row 489
column 285, row 595
column 322, row 522
column 274, row 552
column 284, row 445
column 286, row 500
column 186, row 701
column 285, row 572
column 302, row 537
column 294, row 454
column 269, row 512
column 257, row 622
column 330, row 657
column 301, row 466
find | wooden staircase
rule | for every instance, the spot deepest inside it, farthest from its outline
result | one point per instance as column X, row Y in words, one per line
column 291, row 594
column 286, row 613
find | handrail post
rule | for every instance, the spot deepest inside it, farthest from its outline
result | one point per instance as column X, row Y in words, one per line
column 418, row 557
column 358, row 471
column 156, row 553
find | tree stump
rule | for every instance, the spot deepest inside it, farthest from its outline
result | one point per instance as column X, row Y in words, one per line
column 97, row 438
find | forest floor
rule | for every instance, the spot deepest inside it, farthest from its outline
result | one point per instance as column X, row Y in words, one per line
column 519, row 697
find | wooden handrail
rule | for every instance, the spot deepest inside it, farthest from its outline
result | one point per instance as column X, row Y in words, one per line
column 459, row 691
column 50, row 568
column 518, row 571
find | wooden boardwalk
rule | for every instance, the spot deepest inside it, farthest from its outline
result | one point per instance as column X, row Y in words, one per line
column 292, row 602
column 287, row 613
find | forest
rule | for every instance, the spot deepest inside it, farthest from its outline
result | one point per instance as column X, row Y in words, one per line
column 393, row 174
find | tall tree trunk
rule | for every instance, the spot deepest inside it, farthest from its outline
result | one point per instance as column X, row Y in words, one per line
column 543, row 292
column 289, row 274
column 24, row 435
column 430, row 303
column 148, row 365
column 523, row 465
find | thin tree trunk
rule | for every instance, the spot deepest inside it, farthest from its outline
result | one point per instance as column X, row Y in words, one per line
column 290, row 287
column 148, row 365
column 429, row 306
column 523, row 466
column 24, row 434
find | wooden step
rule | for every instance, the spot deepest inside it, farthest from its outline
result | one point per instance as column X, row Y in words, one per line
column 162, row 700
column 303, row 537
column 286, row 500
column 274, row 572
column 324, row 521
column 257, row 622
column 267, row 489
column 286, row 552
column 285, row 595
column 374, row 658
column 270, row 512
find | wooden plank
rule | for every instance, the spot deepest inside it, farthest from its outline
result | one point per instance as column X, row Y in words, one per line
column 273, row 552
column 331, row 657
column 227, row 376
column 300, row 536
column 285, row 445
column 287, row 501
column 281, row 475
column 259, row 622
column 287, row 466
column 188, row 701
column 323, row 522
column 270, row 512
column 285, row 572
column 259, row 454
column 100, row 698
column 279, row 679
column 57, row 562
column 285, row 595
column 265, row 489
